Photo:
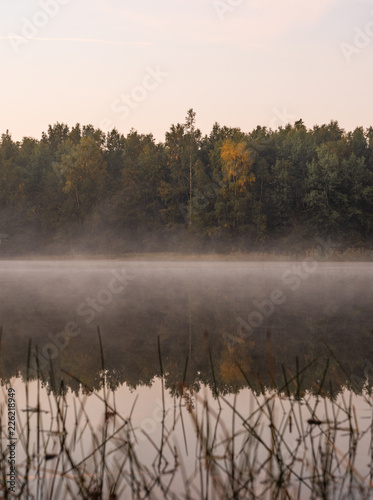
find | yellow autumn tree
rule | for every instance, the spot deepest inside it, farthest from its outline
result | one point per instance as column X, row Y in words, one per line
column 237, row 161
column 233, row 360
column 233, row 208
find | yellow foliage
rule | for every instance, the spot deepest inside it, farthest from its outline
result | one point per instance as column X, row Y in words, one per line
column 229, row 371
column 237, row 162
column 231, row 358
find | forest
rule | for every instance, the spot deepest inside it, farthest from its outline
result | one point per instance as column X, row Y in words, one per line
column 80, row 190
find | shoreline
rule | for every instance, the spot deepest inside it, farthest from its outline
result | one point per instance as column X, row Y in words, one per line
column 348, row 256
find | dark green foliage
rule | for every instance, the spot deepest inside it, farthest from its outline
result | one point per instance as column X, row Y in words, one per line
column 228, row 190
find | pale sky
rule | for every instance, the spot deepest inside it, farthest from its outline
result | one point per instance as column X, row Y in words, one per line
column 143, row 63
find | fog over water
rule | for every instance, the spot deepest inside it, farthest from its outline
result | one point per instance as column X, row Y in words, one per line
column 234, row 310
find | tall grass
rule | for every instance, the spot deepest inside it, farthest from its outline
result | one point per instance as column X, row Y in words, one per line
column 275, row 445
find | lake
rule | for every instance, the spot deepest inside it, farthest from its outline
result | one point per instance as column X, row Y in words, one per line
column 189, row 379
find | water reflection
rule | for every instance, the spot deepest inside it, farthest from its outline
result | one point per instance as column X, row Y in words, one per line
column 234, row 378
column 251, row 322
column 151, row 444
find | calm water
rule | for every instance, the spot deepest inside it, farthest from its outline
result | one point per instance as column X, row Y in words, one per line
column 212, row 329
column 251, row 311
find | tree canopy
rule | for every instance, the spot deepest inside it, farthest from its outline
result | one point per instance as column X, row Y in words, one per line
column 79, row 188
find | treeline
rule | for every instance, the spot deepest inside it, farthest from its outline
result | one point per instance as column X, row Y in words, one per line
column 80, row 189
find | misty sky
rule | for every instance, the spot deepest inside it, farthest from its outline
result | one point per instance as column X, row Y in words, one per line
column 143, row 63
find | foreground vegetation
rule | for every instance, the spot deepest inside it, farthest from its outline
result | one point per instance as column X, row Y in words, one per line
column 78, row 190
column 276, row 444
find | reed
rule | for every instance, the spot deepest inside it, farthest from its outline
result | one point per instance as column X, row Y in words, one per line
column 281, row 444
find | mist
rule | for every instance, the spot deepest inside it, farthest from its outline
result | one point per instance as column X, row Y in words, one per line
column 306, row 309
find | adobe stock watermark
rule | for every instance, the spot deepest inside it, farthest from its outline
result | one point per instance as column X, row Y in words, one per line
column 149, row 425
column 31, row 27
column 129, row 101
column 281, row 117
column 360, row 382
column 224, row 7
column 362, row 38
column 88, row 310
column 292, row 280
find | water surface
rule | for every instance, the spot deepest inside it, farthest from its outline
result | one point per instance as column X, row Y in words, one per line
column 267, row 365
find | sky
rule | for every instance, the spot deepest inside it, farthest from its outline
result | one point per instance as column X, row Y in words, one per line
column 142, row 64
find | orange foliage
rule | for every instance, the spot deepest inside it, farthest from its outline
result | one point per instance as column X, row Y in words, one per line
column 237, row 162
